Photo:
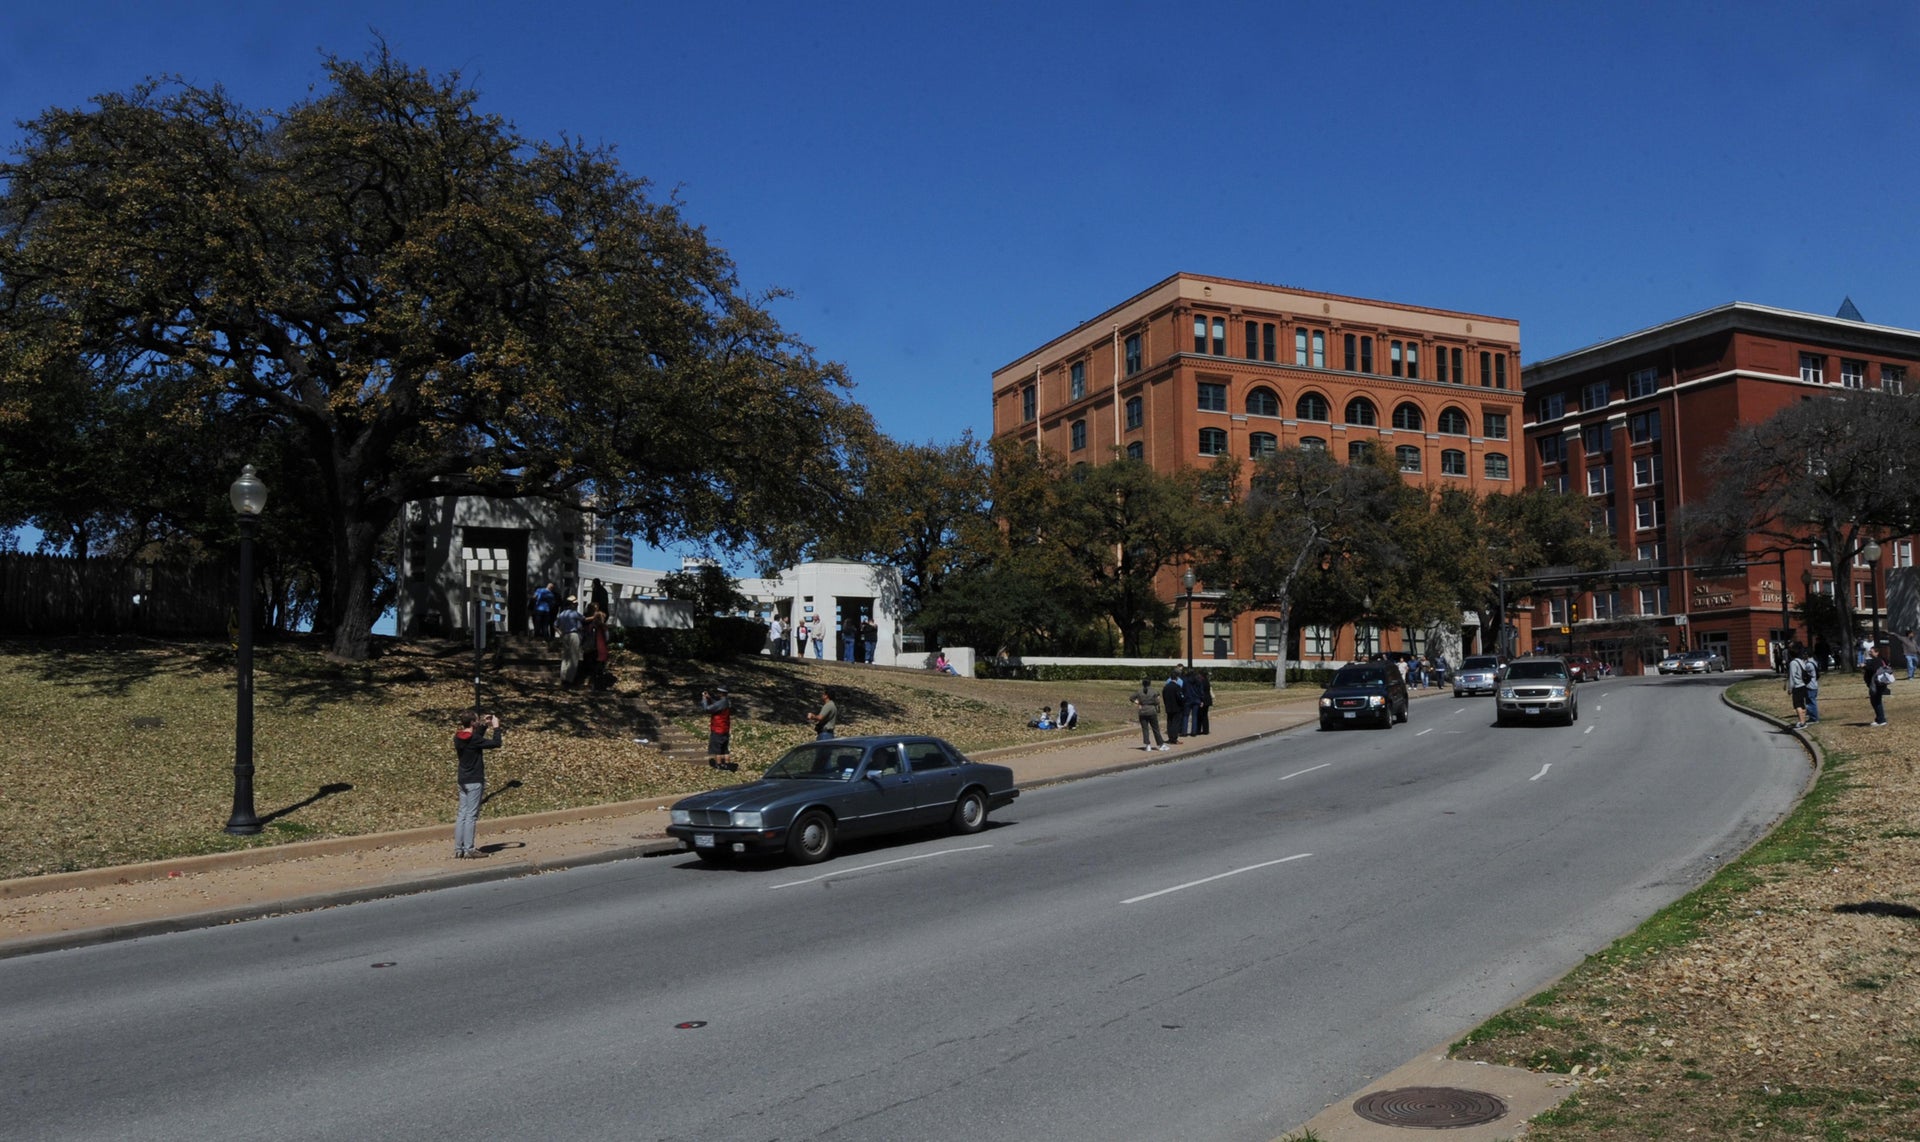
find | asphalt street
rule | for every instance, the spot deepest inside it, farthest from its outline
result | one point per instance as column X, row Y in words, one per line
column 1209, row 949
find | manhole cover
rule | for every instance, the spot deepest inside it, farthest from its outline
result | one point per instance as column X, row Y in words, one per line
column 1431, row 1107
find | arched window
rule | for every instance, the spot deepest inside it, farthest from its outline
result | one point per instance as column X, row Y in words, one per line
column 1496, row 466
column 1453, row 422
column 1262, row 402
column 1213, row 441
column 1135, row 412
column 1360, row 411
column 1358, row 450
column 1313, row 443
column 1407, row 416
column 1262, row 444
column 1078, row 432
column 1312, row 406
column 1453, row 462
column 1136, row 451
column 1408, row 456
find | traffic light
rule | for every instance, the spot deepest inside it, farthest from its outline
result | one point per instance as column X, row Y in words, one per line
column 1573, row 610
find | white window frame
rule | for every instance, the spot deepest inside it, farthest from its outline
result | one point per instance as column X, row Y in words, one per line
column 1649, row 515
column 1643, row 382
column 1813, row 368
column 1646, row 471
column 1853, row 374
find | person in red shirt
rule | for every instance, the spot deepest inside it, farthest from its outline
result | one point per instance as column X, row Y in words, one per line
column 719, row 710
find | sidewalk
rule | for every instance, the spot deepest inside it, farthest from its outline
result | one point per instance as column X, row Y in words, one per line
column 66, row 910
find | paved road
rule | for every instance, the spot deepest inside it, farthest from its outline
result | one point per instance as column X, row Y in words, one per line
column 1211, row 949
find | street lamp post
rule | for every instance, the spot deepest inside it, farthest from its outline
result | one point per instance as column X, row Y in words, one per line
column 249, row 497
column 1871, row 553
column 1188, row 580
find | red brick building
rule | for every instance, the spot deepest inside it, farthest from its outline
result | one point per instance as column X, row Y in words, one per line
column 1629, row 423
column 1195, row 367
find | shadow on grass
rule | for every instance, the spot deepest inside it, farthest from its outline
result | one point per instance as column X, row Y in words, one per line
column 513, row 784
column 112, row 667
column 1879, row 908
column 324, row 792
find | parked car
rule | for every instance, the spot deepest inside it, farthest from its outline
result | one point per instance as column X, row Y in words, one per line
column 823, row 791
column 1478, row 674
column 1585, row 668
column 1701, row 662
column 1537, row 688
column 1364, row 692
column 1673, row 664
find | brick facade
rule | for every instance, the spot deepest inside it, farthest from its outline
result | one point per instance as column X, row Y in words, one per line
column 1630, row 422
column 1197, row 366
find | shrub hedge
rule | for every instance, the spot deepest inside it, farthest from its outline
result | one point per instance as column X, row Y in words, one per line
column 713, row 640
column 1096, row 671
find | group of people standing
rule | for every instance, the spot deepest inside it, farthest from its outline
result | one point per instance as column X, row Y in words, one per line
column 1803, row 684
column 582, row 634
column 1187, row 695
column 811, row 631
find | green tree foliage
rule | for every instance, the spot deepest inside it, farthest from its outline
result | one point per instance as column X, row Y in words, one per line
column 1526, row 531
column 922, row 508
column 1307, row 529
column 412, row 300
column 1072, row 562
column 709, row 588
column 1108, row 533
column 1316, row 540
column 1837, row 472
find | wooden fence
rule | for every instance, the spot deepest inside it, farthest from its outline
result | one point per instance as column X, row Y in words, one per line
column 59, row 595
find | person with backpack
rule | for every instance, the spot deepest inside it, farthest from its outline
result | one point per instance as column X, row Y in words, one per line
column 1878, row 675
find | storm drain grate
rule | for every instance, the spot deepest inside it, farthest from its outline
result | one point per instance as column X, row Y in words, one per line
column 1430, row 1107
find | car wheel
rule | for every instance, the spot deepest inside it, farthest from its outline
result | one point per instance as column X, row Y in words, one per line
column 810, row 840
column 1402, row 715
column 970, row 812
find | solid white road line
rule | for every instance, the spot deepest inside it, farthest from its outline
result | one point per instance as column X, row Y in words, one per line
column 1211, row 879
column 1542, row 773
column 1298, row 772
column 881, row 864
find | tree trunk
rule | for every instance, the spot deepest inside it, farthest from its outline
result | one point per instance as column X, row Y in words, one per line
column 1280, row 658
column 351, row 589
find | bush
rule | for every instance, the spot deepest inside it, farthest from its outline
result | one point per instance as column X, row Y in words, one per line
column 711, row 640
column 1098, row 671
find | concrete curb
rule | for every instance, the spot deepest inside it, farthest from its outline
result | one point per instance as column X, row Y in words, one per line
column 300, row 850
column 506, row 870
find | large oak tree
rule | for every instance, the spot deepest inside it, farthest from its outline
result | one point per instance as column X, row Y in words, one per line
column 411, row 299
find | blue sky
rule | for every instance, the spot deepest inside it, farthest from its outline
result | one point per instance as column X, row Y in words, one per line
column 943, row 187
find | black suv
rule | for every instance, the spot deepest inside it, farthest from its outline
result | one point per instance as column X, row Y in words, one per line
column 1369, row 692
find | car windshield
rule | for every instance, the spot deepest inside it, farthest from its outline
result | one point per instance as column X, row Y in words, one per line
column 1374, row 677
column 1525, row 669
column 1480, row 662
column 819, row 761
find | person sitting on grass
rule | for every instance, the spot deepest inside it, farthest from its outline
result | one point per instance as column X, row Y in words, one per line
column 1044, row 721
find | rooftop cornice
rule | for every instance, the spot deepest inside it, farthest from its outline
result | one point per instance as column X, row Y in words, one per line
column 1736, row 316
